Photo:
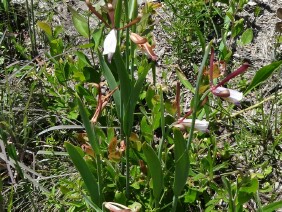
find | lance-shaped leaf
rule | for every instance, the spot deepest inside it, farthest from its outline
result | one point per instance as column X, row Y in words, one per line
column 87, row 176
column 155, row 169
column 128, row 118
column 181, row 162
column 46, row 28
column 263, row 74
column 111, row 81
column 272, row 206
column 89, row 130
column 80, row 23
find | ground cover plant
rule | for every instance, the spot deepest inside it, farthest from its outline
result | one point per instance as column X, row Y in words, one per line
column 83, row 128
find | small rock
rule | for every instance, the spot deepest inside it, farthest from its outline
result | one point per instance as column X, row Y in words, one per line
column 252, row 3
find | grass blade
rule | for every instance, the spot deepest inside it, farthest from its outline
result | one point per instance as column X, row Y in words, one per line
column 60, row 127
column 272, row 206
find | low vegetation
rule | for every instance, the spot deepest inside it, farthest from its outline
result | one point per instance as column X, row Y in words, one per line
column 83, row 127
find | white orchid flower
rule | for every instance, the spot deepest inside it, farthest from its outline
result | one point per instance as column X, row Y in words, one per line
column 110, row 44
column 200, row 125
column 234, row 96
column 116, row 207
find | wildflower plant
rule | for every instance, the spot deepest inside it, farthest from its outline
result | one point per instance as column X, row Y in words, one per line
column 123, row 159
column 137, row 150
column 125, row 80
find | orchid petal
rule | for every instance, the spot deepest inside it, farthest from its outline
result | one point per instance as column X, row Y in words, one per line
column 144, row 45
column 200, row 125
column 116, row 207
column 110, row 44
column 234, row 96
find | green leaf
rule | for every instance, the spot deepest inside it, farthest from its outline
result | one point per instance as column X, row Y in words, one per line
column 56, row 47
column 190, row 196
column 91, row 75
column 272, row 206
column 243, row 197
column 263, row 74
column 150, row 93
column 181, row 162
column 88, row 178
column 146, row 129
column 57, row 31
column 112, row 82
column 247, row 37
column 91, row 204
column 97, row 35
column 185, row 81
column 133, row 9
column 118, row 13
column 238, row 27
column 80, row 23
column 155, row 169
column 134, row 95
column 60, row 74
column 83, row 58
column 45, row 27
column 89, row 130
column 87, row 46
column 200, row 37
column 251, row 186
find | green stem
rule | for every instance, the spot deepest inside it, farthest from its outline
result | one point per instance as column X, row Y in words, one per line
column 199, row 78
column 100, row 178
column 256, row 105
column 174, row 203
column 127, row 166
column 124, row 106
column 33, row 30
column 29, row 28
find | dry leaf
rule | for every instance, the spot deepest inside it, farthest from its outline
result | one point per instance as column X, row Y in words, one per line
column 88, row 150
column 114, row 152
column 216, row 70
column 82, row 138
column 143, row 167
column 203, row 88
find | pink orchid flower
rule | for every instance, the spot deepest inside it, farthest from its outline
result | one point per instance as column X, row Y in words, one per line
column 229, row 95
column 200, row 125
column 116, row 207
column 144, row 45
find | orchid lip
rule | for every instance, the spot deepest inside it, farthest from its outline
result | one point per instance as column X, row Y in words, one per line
column 234, row 96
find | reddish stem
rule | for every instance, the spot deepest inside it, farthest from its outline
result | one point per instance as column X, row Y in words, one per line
column 240, row 70
column 191, row 111
column 186, row 115
column 92, row 9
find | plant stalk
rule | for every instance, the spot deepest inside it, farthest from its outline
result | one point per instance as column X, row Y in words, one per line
column 197, row 95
